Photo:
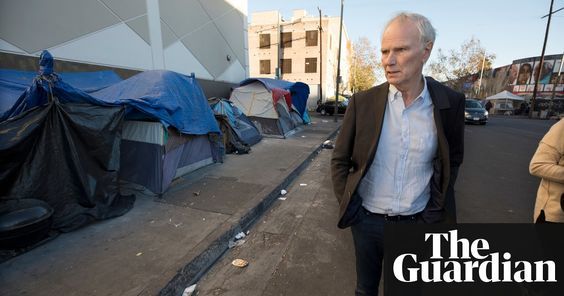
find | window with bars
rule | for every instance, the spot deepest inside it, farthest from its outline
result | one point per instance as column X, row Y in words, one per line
column 264, row 66
column 286, row 66
column 264, row 40
column 311, row 65
column 311, row 38
column 286, row 39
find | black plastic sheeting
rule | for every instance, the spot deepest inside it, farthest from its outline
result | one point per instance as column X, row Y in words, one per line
column 66, row 155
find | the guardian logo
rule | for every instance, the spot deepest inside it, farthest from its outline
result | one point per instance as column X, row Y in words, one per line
column 468, row 261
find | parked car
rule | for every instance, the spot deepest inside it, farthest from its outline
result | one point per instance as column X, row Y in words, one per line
column 328, row 107
column 474, row 112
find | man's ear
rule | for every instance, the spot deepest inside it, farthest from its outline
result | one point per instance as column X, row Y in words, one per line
column 427, row 51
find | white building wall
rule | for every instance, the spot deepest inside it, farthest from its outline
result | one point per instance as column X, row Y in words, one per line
column 118, row 33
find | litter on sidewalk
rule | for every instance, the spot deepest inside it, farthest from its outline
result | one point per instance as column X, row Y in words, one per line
column 189, row 291
column 240, row 263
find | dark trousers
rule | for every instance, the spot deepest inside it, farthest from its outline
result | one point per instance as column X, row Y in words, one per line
column 368, row 236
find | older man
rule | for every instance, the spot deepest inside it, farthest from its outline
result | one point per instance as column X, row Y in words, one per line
column 399, row 150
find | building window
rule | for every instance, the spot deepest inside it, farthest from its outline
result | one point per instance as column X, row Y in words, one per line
column 311, row 38
column 264, row 66
column 286, row 39
column 286, row 66
column 264, row 40
column 311, row 65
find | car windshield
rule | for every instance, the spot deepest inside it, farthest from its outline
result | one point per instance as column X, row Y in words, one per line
column 473, row 104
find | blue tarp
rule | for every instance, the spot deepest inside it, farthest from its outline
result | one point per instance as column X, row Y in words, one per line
column 13, row 83
column 298, row 90
column 172, row 98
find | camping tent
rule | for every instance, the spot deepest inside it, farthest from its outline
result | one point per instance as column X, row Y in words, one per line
column 238, row 131
column 503, row 101
column 170, row 130
column 271, row 110
column 299, row 92
column 58, row 147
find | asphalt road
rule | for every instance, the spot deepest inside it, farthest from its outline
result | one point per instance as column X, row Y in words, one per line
column 494, row 184
column 296, row 248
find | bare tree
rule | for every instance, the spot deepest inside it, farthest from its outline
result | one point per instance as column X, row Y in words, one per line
column 364, row 65
column 458, row 65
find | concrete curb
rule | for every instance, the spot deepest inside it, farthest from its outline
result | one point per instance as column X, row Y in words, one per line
column 197, row 267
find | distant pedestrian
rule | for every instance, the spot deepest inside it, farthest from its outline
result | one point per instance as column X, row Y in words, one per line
column 548, row 163
column 489, row 105
column 401, row 143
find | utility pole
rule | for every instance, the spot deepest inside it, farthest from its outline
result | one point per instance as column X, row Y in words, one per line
column 320, row 58
column 338, row 65
column 481, row 74
column 278, row 71
column 541, row 62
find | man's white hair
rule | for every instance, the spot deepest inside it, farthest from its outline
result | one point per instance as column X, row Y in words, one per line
column 426, row 31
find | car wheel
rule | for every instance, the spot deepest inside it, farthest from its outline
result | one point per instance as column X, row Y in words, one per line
column 323, row 112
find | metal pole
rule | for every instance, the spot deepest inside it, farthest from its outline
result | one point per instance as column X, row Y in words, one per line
column 481, row 74
column 556, row 83
column 278, row 73
column 338, row 65
column 541, row 62
column 320, row 58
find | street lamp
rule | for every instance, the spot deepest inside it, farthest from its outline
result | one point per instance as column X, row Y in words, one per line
column 481, row 74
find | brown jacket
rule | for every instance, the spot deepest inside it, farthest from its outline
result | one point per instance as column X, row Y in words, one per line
column 358, row 139
column 548, row 163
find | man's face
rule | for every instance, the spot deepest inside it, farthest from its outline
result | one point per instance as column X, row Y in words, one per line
column 403, row 55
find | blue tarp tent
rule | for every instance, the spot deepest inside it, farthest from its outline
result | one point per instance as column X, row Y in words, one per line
column 64, row 154
column 298, row 90
column 240, row 133
column 152, row 154
column 172, row 98
column 13, row 83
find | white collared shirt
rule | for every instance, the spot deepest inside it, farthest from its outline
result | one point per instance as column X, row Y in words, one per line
column 397, row 182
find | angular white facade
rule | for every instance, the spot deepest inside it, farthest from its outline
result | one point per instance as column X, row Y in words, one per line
column 207, row 37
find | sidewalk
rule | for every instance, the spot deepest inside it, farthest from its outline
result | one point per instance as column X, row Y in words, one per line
column 163, row 245
column 295, row 249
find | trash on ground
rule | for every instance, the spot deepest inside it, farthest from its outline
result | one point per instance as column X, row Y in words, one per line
column 236, row 243
column 196, row 193
column 303, row 136
column 189, row 291
column 240, row 235
column 327, row 145
column 139, row 254
column 240, row 263
column 283, row 192
column 282, row 198
column 303, row 184
column 324, row 120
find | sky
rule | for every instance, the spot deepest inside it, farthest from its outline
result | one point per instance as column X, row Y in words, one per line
column 511, row 29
